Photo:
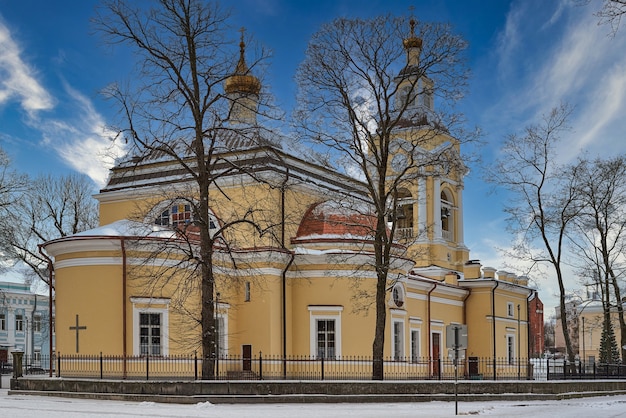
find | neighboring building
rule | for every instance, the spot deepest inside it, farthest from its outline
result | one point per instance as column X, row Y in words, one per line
column 303, row 290
column 590, row 321
column 571, row 309
column 24, row 324
column 536, row 334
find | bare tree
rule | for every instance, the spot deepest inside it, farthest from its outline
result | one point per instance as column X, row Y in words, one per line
column 600, row 236
column 363, row 85
column 49, row 207
column 180, row 108
column 11, row 185
column 611, row 13
column 545, row 199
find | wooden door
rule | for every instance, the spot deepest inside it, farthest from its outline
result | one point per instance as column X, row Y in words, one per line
column 247, row 357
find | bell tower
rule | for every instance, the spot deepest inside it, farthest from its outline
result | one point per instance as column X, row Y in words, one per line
column 429, row 209
column 242, row 89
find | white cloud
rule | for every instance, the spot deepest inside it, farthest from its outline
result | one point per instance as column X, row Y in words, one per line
column 17, row 80
column 83, row 141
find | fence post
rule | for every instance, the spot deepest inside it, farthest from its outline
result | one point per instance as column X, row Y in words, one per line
column 322, row 358
column 59, row 364
column 439, row 368
column 260, row 365
column 594, row 370
column 101, row 372
column 195, row 365
column 147, row 367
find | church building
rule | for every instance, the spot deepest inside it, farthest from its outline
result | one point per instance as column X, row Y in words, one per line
column 305, row 286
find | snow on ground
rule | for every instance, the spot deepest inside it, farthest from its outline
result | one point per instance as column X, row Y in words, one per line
column 22, row 406
column 18, row 406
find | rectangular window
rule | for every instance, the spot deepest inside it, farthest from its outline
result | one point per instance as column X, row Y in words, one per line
column 415, row 345
column 37, row 357
column 510, row 349
column 398, row 340
column 3, row 322
column 37, row 323
column 509, row 310
column 247, row 292
column 325, row 338
column 220, row 341
column 150, row 334
column 19, row 322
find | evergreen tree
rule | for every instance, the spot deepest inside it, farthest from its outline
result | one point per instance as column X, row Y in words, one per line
column 609, row 353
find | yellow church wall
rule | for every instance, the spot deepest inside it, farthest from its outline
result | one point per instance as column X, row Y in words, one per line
column 257, row 202
column 101, row 315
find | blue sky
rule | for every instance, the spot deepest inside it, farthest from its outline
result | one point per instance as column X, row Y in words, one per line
column 526, row 56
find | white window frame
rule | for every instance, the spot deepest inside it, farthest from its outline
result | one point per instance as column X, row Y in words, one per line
column 397, row 340
column 19, row 322
column 398, row 297
column 3, row 321
column 324, row 313
column 510, row 309
column 37, row 318
column 155, row 305
column 416, row 344
column 222, row 333
column 510, row 348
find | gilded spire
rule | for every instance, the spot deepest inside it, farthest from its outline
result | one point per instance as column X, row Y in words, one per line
column 412, row 41
column 242, row 68
column 241, row 81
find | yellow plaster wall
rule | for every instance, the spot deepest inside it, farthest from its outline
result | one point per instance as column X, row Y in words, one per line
column 102, row 315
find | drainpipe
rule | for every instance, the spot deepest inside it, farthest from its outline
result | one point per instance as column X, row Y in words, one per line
column 531, row 292
column 430, row 349
column 32, row 331
column 124, row 307
column 50, row 274
column 493, row 324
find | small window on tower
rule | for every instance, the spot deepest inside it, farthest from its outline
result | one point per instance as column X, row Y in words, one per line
column 247, row 292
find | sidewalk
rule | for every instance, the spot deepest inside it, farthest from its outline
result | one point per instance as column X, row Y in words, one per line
column 5, row 380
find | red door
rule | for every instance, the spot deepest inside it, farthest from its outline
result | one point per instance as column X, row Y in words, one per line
column 436, row 340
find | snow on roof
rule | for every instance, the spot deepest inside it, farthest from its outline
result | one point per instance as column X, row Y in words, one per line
column 128, row 228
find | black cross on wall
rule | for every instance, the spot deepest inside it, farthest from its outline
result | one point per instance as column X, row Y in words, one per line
column 77, row 328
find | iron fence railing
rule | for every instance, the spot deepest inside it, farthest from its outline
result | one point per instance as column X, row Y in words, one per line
column 271, row 367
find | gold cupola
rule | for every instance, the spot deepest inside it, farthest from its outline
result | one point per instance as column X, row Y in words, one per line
column 241, row 81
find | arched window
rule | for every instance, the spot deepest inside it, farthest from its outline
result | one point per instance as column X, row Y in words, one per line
column 446, row 215
column 176, row 216
column 179, row 215
column 404, row 214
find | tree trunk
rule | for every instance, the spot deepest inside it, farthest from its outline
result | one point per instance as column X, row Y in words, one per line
column 379, row 335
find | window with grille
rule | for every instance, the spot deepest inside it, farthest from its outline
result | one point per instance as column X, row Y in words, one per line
column 326, row 338
column 150, row 334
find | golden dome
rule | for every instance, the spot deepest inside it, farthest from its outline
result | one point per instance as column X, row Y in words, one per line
column 241, row 81
column 412, row 41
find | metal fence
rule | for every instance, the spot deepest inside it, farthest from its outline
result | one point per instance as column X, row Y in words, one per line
column 268, row 367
